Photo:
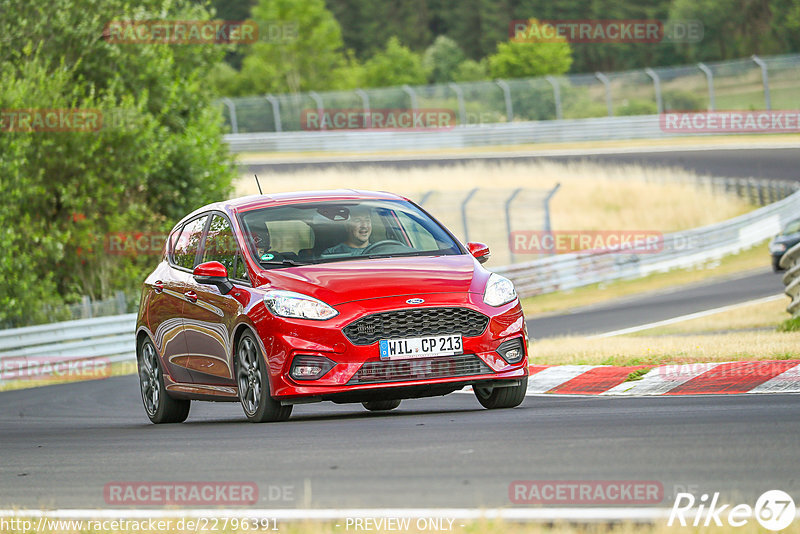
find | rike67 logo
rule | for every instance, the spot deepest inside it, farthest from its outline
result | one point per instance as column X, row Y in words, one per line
column 774, row 510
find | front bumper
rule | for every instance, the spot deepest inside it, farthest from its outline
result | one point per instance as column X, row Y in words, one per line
column 284, row 339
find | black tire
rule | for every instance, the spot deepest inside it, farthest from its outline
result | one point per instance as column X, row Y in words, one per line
column 381, row 406
column 253, row 384
column 507, row 397
column 776, row 264
column 158, row 405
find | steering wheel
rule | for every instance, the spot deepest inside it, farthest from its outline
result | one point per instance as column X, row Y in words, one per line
column 386, row 243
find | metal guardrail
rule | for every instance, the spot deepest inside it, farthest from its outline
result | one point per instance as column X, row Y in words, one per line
column 503, row 133
column 43, row 347
column 791, row 262
column 677, row 250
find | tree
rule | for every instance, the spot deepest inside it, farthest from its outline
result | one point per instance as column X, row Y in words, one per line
column 442, row 59
column 157, row 154
column 304, row 62
column 533, row 57
column 395, row 65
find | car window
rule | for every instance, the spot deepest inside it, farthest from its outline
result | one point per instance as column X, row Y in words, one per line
column 188, row 242
column 792, row 228
column 240, row 271
column 320, row 232
column 220, row 244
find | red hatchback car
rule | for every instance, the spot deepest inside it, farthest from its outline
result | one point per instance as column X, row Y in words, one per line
column 346, row 296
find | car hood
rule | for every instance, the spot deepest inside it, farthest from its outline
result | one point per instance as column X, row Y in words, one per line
column 348, row 281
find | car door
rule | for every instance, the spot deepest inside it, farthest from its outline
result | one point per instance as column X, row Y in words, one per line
column 171, row 288
column 209, row 318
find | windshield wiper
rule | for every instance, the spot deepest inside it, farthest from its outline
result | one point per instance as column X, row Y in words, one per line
column 285, row 262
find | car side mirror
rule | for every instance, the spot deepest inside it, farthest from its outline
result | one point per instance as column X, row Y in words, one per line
column 215, row 274
column 480, row 251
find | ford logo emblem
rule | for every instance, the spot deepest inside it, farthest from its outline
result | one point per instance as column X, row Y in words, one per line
column 415, row 301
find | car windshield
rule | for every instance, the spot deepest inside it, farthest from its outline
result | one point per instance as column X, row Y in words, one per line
column 322, row 232
column 792, row 228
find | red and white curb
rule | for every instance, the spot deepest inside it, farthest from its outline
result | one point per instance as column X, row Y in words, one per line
column 768, row 376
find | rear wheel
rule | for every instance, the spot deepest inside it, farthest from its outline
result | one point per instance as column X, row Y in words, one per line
column 159, row 406
column 505, row 397
column 381, row 406
column 251, row 377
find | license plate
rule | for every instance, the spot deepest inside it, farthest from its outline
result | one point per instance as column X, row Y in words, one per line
column 420, row 347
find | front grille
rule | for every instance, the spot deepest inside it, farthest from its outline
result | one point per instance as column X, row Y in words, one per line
column 415, row 323
column 419, row 368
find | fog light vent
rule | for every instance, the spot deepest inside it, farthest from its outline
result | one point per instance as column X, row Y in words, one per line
column 512, row 350
column 306, row 367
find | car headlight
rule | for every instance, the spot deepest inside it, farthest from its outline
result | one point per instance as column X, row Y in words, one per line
column 499, row 291
column 298, row 306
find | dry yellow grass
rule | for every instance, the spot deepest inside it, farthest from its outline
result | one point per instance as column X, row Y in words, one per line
column 626, row 350
column 761, row 315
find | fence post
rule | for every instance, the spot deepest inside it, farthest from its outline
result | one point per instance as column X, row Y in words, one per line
column 464, row 213
column 547, row 226
column 122, row 303
column 232, row 113
column 607, row 83
column 276, row 111
column 764, row 79
column 710, row 79
column 365, row 104
column 556, row 94
column 507, row 95
column 462, row 111
column 509, row 200
column 320, row 107
column 657, row 84
column 412, row 95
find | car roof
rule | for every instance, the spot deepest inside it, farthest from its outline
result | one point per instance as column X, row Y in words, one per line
column 251, row 202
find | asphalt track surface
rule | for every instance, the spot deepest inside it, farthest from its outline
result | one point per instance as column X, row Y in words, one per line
column 658, row 306
column 774, row 163
column 62, row 444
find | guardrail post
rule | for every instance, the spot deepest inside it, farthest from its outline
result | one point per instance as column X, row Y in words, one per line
column 232, row 114
column 464, row 213
column 657, row 85
column 764, row 80
column 556, row 94
column 425, row 197
column 276, row 111
column 607, row 83
column 710, row 79
column 412, row 95
column 320, row 106
column 507, row 95
column 547, row 226
column 509, row 200
column 462, row 111
column 365, row 105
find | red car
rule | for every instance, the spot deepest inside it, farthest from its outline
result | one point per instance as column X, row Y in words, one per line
column 343, row 296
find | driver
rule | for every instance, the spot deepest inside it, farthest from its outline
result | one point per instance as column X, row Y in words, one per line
column 359, row 229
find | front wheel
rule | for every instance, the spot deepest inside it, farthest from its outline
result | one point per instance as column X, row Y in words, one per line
column 159, row 406
column 251, row 377
column 506, row 397
column 381, row 406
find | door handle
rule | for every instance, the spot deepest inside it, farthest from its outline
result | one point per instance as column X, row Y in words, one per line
column 158, row 286
column 191, row 295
